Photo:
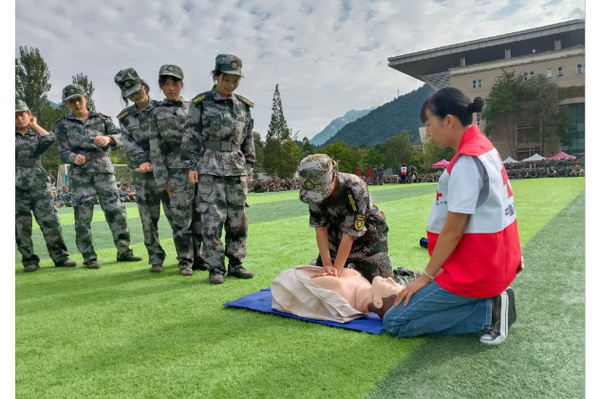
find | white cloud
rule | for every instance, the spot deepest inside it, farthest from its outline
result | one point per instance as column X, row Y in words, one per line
column 328, row 56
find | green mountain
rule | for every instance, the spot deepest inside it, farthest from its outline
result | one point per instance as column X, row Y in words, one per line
column 387, row 120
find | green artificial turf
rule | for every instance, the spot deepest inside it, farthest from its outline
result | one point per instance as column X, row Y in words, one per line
column 123, row 332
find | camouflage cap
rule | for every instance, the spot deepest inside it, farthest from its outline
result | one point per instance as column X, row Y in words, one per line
column 171, row 70
column 128, row 81
column 316, row 174
column 20, row 106
column 72, row 91
column 228, row 63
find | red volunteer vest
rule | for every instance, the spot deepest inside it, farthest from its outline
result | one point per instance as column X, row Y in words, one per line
column 485, row 261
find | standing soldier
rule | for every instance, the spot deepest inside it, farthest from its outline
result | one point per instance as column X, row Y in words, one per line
column 33, row 194
column 171, row 172
column 137, row 123
column 219, row 146
column 83, row 139
column 349, row 227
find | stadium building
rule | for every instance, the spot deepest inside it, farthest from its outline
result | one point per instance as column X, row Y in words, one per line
column 556, row 51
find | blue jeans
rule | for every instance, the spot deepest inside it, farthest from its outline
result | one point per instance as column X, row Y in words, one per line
column 434, row 311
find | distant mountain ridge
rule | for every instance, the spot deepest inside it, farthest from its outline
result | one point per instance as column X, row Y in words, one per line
column 337, row 124
column 386, row 121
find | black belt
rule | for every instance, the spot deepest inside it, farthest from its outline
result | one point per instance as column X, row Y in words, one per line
column 29, row 163
column 94, row 155
column 221, row 146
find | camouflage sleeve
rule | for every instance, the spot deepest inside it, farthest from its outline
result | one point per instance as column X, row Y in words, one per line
column 354, row 222
column 62, row 144
column 112, row 131
column 159, row 167
column 190, row 143
column 135, row 154
column 44, row 143
column 248, row 146
column 317, row 217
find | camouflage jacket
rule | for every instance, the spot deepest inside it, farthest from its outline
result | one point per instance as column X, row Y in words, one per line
column 30, row 146
column 74, row 136
column 165, row 140
column 136, row 129
column 352, row 212
column 214, row 119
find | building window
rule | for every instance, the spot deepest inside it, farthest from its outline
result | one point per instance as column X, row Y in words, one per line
column 507, row 53
column 557, row 45
column 549, row 73
column 579, row 68
column 531, row 74
column 479, row 83
column 463, row 61
column 525, row 77
column 474, row 84
column 559, row 71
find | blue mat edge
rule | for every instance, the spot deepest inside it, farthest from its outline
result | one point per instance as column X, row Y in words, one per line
column 370, row 323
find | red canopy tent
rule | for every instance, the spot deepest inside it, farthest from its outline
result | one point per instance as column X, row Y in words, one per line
column 440, row 164
column 562, row 155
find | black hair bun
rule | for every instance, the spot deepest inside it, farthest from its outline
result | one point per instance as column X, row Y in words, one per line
column 476, row 105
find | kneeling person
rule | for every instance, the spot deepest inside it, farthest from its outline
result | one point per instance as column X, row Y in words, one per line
column 349, row 227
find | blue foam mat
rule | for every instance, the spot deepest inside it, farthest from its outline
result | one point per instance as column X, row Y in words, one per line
column 261, row 301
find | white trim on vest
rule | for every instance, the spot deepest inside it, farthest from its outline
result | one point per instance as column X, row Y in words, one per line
column 487, row 218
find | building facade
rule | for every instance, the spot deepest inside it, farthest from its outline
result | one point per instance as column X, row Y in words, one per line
column 554, row 51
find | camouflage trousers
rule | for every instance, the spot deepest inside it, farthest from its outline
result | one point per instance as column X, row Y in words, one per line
column 84, row 188
column 370, row 258
column 178, row 211
column 148, row 202
column 41, row 203
column 221, row 202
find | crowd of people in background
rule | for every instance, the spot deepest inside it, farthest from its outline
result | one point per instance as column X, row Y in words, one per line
column 552, row 168
column 273, row 184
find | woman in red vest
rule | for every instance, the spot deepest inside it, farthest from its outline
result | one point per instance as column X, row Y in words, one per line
column 472, row 231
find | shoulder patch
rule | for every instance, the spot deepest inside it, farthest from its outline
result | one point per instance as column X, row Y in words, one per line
column 245, row 100
column 359, row 223
column 122, row 115
column 199, row 98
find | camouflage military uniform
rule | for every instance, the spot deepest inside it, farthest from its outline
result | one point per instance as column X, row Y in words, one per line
column 65, row 198
column 218, row 144
column 95, row 176
column 171, row 172
column 136, row 127
column 33, row 194
column 354, row 213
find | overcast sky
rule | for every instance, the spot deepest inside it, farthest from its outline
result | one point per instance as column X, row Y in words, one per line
column 328, row 56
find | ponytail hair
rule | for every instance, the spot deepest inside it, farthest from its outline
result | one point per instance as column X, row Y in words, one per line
column 451, row 101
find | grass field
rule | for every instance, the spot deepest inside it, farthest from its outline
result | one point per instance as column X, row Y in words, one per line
column 122, row 332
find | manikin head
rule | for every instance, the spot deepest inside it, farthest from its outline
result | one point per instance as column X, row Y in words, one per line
column 384, row 291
